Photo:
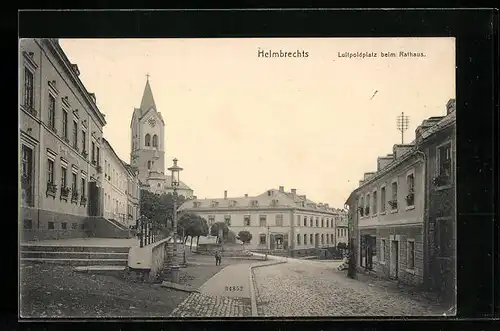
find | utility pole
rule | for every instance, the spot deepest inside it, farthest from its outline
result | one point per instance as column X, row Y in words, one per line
column 402, row 125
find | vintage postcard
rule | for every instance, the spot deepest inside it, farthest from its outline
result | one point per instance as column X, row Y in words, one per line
column 237, row 177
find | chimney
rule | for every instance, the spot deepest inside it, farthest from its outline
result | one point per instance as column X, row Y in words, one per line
column 399, row 150
column 361, row 182
column 383, row 161
column 426, row 124
column 246, row 195
column 451, row 106
column 282, row 189
column 294, row 191
column 225, row 194
column 368, row 175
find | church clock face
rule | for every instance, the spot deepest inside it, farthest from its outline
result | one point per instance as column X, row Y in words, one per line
column 152, row 121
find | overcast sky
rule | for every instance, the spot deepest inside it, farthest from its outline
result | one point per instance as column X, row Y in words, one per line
column 245, row 124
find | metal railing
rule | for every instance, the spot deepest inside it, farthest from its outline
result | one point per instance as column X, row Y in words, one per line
column 148, row 232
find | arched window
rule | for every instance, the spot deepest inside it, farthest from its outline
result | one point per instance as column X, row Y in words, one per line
column 155, row 141
column 148, row 139
column 149, row 164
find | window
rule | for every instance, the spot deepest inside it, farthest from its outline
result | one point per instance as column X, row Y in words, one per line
column 382, row 199
column 331, row 237
column 98, row 158
column 311, row 240
column 305, row 239
column 279, row 220
column 26, row 173
column 28, row 89
column 375, row 202
column 298, row 220
column 155, row 141
column 84, row 140
column 410, row 264
column 64, row 174
column 382, row 250
column 50, row 171
column 394, row 200
column 444, row 160
column 27, row 224
column 65, row 125
column 148, row 139
column 327, row 239
column 73, row 183
column 311, row 222
column 338, row 232
column 149, row 164
column 305, row 221
column 50, row 225
column 211, row 220
column 227, row 220
column 410, row 197
column 262, row 220
column 317, row 222
column 83, row 187
column 93, row 152
column 74, row 225
column 322, row 222
column 64, row 225
column 262, row 239
column 75, row 134
column 52, row 112
column 246, row 220
column 298, row 239
column 322, row 238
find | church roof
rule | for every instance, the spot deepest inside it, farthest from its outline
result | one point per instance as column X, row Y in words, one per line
column 147, row 99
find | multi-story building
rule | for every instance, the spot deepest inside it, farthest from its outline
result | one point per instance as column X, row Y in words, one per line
column 60, row 126
column 148, row 148
column 342, row 228
column 438, row 142
column 115, row 185
column 133, row 195
column 393, row 211
column 277, row 220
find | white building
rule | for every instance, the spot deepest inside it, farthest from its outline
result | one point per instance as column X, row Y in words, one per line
column 148, row 147
column 342, row 230
column 115, row 185
column 133, row 195
column 277, row 220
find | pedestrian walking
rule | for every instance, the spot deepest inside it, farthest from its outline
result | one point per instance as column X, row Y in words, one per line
column 218, row 257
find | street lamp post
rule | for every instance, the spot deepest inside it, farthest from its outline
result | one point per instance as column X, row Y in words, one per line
column 268, row 241
column 175, row 170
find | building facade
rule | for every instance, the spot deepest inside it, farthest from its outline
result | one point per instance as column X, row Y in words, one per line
column 60, row 144
column 133, row 195
column 277, row 220
column 395, row 211
column 342, row 228
column 148, row 147
column 115, row 186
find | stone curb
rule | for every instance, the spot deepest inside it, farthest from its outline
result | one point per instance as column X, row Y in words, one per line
column 253, row 298
column 179, row 287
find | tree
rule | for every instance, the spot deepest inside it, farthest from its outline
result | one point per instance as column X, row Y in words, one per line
column 159, row 208
column 230, row 237
column 216, row 228
column 245, row 237
column 204, row 230
column 194, row 226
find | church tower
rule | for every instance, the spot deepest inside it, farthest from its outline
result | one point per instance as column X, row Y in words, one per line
column 147, row 138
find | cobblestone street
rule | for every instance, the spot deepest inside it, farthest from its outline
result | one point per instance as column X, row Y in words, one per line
column 300, row 288
column 202, row 305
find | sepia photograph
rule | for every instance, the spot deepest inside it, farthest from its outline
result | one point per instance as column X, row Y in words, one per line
column 237, row 177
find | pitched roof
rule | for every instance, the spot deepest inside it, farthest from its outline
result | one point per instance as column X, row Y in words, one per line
column 285, row 199
column 147, row 99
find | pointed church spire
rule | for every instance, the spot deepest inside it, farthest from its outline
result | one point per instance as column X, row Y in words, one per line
column 147, row 97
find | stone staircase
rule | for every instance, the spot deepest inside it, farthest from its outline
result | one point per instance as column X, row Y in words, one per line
column 87, row 256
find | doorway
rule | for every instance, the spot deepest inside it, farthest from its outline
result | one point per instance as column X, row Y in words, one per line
column 394, row 266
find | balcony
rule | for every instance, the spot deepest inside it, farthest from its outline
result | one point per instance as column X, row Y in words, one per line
column 94, row 163
column 410, row 199
column 99, row 169
column 393, row 204
column 85, row 154
column 65, row 193
column 51, row 189
column 32, row 111
column 442, row 180
column 74, row 196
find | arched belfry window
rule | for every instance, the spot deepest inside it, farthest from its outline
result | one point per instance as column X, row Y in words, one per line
column 155, row 141
column 148, row 139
